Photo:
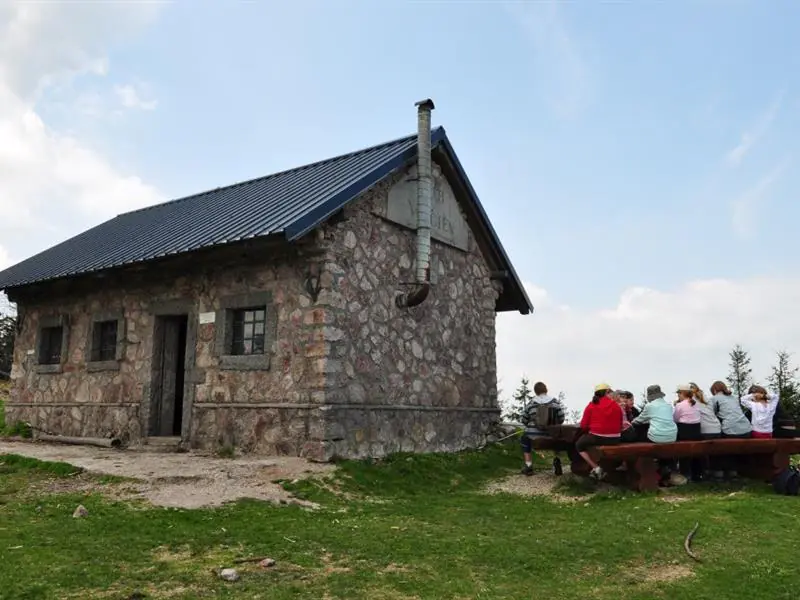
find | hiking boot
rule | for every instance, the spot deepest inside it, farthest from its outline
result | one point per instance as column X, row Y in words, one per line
column 526, row 470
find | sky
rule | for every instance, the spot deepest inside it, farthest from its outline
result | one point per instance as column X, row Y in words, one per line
column 638, row 160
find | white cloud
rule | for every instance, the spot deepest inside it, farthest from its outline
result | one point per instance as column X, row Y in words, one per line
column 47, row 43
column 650, row 336
column 756, row 132
column 745, row 207
column 562, row 70
column 131, row 97
column 53, row 184
column 5, row 258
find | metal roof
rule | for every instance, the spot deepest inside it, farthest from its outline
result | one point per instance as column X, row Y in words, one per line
column 290, row 203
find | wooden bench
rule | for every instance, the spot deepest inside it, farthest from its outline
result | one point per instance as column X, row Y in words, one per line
column 755, row 458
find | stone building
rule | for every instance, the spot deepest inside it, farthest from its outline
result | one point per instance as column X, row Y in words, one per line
column 343, row 308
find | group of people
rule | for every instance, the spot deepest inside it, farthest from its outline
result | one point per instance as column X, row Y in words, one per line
column 612, row 418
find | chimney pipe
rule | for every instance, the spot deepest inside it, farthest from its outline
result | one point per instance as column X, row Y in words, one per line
column 424, row 203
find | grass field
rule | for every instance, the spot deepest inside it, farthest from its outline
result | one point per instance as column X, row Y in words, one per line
column 408, row 527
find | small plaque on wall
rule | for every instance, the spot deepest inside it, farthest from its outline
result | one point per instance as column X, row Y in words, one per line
column 207, row 317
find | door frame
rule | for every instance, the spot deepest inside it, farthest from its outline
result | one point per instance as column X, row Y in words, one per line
column 191, row 375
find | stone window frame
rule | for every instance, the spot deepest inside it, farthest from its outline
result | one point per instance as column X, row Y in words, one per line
column 224, row 332
column 94, row 366
column 47, row 323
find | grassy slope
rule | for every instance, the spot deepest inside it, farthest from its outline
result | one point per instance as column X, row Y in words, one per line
column 411, row 528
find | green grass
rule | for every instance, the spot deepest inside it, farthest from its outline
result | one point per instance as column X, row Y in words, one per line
column 406, row 527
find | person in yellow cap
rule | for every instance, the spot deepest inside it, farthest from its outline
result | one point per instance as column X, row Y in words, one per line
column 601, row 426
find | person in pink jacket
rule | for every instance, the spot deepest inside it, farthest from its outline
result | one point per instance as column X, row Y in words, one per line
column 688, row 417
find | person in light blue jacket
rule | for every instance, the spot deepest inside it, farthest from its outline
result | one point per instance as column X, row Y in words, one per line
column 658, row 414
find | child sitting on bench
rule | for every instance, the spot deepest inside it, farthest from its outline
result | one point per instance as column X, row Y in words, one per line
column 762, row 406
column 540, row 413
column 601, row 425
column 688, row 419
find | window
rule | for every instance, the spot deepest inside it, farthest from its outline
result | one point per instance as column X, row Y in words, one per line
column 50, row 343
column 245, row 331
column 248, row 327
column 104, row 341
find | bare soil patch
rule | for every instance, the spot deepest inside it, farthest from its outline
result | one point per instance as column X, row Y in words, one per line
column 539, row 484
column 666, row 573
column 179, row 480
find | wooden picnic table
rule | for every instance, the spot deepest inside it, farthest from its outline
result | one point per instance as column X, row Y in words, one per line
column 760, row 459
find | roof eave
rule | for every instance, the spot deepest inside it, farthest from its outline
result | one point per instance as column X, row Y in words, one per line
column 521, row 301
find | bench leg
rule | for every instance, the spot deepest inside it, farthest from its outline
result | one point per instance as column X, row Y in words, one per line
column 647, row 470
column 763, row 467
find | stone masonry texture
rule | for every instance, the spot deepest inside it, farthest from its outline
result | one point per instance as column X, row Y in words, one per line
column 350, row 374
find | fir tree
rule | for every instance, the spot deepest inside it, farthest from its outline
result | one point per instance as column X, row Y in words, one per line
column 783, row 380
column 519, row 401
column 8, row 330
column 741, row 374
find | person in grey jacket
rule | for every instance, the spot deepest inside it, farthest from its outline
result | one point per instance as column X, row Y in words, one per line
column 541, row 404
column 734, row 424
column 729, row 411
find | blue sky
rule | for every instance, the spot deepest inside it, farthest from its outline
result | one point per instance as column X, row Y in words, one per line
column 618, row 119
column 614, row 145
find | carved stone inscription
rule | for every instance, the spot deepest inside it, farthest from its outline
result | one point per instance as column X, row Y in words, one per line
column 447, row 223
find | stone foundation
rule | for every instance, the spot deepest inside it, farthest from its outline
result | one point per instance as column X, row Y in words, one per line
column 360, row 432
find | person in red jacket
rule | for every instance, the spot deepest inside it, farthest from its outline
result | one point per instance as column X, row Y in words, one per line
column 601, row 425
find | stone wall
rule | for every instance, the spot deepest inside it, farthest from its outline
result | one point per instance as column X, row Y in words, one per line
column 418, row 379
column 80, row 401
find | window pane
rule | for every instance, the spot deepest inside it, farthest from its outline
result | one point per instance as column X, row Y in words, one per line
column 50, row 345
column 248, row 330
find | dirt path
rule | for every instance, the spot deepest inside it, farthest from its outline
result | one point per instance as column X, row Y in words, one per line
column 185, row 480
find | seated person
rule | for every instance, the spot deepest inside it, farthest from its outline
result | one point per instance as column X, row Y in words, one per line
column 783, row 425
column 658, row 414
column 733, row 422
column 689, row 420
column 762, row 406
column 601, row 425
column 630, row 433
column 540, row 413
column 662, row 429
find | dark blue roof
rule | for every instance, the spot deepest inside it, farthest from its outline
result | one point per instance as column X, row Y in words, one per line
column 290, row 203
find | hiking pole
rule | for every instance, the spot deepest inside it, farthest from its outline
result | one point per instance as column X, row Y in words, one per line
column 497, row 441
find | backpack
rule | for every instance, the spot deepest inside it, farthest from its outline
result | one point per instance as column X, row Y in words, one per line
column 787, row 482
column 547, row 415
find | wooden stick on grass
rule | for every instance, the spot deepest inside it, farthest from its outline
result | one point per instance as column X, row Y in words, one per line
column 688, row 543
